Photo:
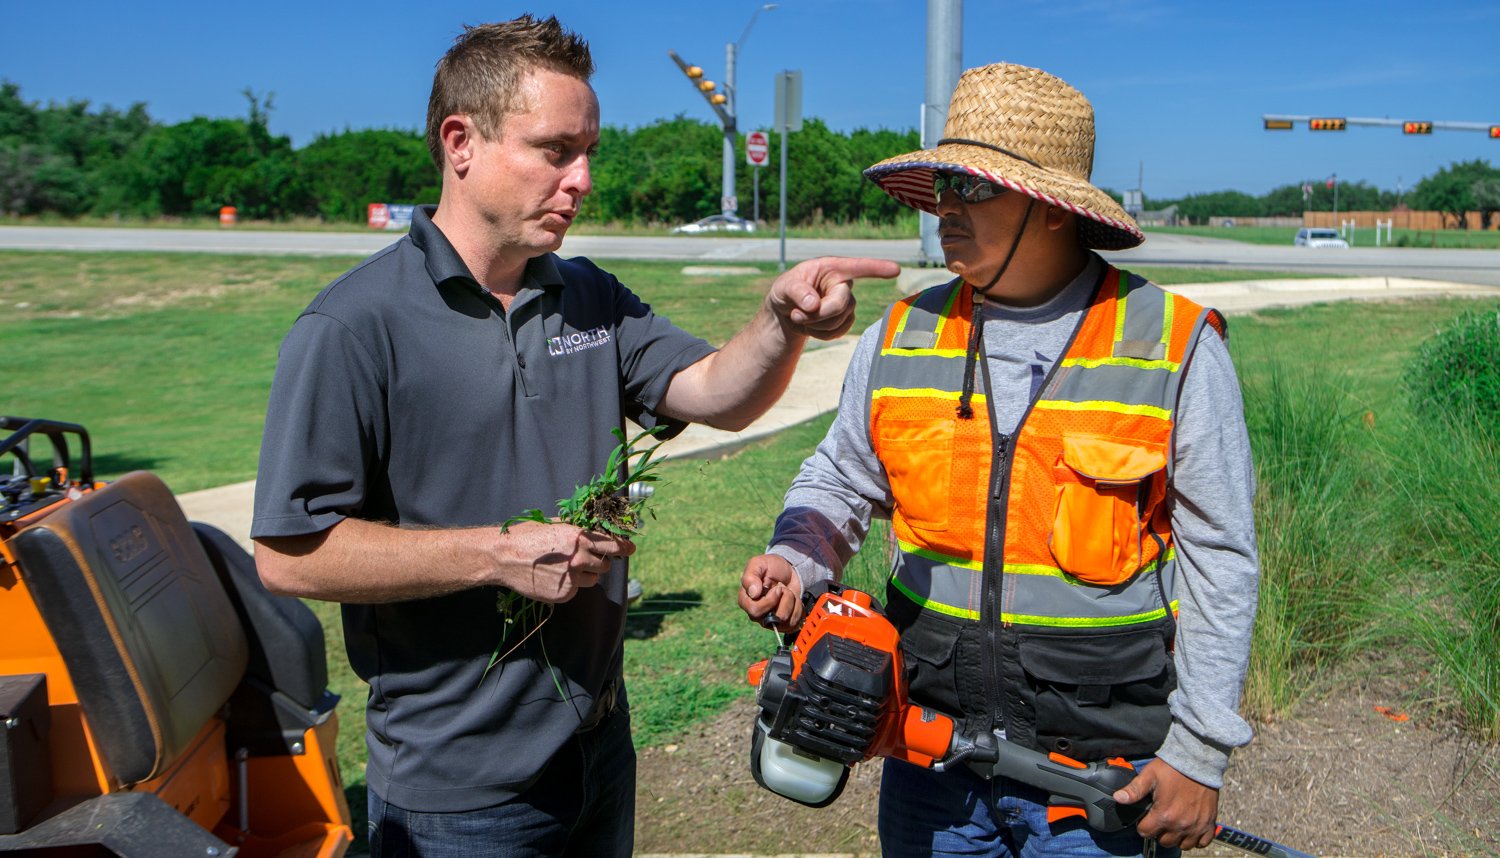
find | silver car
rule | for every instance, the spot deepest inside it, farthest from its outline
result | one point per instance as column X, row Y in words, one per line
column 1311, row 236
column 716, row 223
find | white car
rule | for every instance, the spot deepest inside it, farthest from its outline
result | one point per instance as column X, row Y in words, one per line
column 1318, row 237
column 716, row 223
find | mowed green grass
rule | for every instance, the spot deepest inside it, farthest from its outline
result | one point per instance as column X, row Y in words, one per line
column 167, row 360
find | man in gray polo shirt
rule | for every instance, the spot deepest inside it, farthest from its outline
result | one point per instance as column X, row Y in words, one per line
column 459, row 377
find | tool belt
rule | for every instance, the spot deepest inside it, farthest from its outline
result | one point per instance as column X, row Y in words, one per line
column 605, row 704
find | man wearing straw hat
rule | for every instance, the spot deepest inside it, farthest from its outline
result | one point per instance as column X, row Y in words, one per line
column 1060, row 448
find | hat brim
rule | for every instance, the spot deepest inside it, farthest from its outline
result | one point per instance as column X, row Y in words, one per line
column 908, row 178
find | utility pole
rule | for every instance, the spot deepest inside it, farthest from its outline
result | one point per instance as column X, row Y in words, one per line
column 945, row 61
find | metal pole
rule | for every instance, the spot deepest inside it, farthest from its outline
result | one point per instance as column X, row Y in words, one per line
column 727, row 202
column 784, row 133
column 755, row 171
column 945, row 61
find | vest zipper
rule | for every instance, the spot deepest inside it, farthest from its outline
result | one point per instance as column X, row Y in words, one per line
column 999, row 502
column 994, row 570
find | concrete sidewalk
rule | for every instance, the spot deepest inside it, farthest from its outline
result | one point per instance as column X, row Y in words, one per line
column 815, row 386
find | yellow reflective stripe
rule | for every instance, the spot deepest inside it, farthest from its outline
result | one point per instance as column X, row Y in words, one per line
column 920, row 393
column 1101, row 405
column 973, row 565
column 1053, row 571
column 901, row 322
column 939, row 607
column 1037, row 569
column 941, row 353
column 936, row 333
column 1166, row 322
column 1089, row 363
column 1121, row 291
column 946, row 314
column 1086, row 622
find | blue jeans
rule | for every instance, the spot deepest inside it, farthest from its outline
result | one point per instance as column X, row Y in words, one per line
column 923, row 812
column 583, row 805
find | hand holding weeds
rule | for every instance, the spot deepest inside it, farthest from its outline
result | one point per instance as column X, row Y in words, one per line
column 564, row 558
column 570, row 552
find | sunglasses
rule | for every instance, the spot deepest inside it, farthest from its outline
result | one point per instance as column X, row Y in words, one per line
column 970, row 189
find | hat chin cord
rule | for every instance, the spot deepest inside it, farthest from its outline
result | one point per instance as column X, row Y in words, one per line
column 976, row 327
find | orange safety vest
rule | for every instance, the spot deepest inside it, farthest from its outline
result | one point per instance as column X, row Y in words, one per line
column 1033, row 580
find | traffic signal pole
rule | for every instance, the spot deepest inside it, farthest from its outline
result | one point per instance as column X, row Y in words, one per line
column 727, row 201
column 945, row 58
column 1286, row 122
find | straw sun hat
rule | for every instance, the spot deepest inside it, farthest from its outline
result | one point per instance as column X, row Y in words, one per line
column 1026, row 130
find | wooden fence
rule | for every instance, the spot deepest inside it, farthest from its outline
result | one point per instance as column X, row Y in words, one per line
column 1401, row 219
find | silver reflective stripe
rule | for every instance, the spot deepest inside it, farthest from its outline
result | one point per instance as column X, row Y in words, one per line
column 1144, row 333
column 1127, row 384
column 951, row 590
column 919, row 330
column 913, row 340
column 1039, row 595
column 918, row 372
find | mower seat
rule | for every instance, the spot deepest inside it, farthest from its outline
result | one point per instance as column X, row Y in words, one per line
column 150, row 639
column 285, row 690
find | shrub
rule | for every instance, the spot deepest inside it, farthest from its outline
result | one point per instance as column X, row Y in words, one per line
column 1456, row 373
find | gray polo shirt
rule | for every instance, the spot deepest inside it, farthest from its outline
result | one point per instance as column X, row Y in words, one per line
column 404, row 393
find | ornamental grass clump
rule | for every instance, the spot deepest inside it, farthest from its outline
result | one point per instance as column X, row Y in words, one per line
column 1456, row 374
column 606, row 504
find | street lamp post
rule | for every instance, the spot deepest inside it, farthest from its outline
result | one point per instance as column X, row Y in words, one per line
column 728, row 203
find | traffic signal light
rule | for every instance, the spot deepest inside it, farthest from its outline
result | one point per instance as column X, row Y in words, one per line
column 1278, row 124
column 1327, row 124
column 1495, row 132
column 707, row 88
column 1417, row 128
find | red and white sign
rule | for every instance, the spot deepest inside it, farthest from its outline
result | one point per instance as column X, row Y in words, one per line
column 377, row 215
column 757, row 148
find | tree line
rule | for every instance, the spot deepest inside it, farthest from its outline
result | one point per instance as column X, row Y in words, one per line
column 70, row 159
column 1467, row 186
column 73, row 160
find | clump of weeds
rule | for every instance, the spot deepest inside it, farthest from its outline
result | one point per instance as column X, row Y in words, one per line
column 608, row 503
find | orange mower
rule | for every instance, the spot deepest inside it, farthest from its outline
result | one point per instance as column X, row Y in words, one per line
column 155, row 699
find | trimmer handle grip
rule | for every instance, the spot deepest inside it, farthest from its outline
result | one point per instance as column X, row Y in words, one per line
column 1074, row 788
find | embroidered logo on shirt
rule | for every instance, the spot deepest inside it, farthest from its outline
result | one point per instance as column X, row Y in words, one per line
column 572, row 343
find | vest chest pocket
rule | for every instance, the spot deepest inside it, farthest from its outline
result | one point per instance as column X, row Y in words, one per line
column 1104, row 482
column 918, row 459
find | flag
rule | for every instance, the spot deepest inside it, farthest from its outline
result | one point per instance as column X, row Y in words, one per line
column 1333, row 180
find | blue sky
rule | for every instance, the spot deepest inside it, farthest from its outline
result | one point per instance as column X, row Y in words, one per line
column 1178, row 87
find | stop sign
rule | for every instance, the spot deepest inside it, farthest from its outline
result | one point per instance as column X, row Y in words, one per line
column 757, row 148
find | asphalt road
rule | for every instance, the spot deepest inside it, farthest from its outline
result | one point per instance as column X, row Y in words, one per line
column 1460, row 266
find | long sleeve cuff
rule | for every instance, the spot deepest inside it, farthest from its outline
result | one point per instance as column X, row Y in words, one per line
column 809, row 570
column 1192, row 756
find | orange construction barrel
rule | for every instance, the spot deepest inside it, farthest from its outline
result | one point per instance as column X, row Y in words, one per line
column 227, row 216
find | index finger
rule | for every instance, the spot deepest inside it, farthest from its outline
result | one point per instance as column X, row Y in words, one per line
column 850, row 267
